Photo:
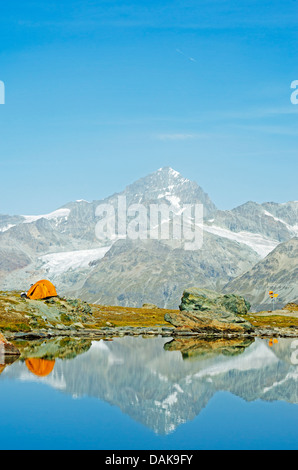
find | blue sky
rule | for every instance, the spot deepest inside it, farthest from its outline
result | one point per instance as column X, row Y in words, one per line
column 101, row 93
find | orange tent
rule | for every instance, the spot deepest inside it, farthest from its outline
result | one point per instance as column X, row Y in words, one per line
column 42, row 290
column 40, row 367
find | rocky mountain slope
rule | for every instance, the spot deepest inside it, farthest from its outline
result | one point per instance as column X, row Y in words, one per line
column 278, row 272
column 64, row 247
column 135, row 272
column 273, row 222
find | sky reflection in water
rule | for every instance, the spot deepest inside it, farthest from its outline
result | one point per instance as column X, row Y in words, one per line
column 136, row 393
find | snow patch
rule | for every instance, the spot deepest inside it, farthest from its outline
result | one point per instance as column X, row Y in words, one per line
column 174, row 200
column 257, row 357
column 7, row 227
column 292, row 375
column 58, row 214
column 174, row 173
column 291, row 228
column 100, row 345
column 58, row 263
column 260, row 244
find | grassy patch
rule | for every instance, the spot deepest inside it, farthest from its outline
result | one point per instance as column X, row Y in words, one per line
column 278, row 321
column 14, row 327
column 125, row 316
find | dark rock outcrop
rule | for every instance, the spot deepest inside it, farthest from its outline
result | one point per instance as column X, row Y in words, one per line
column 206, row 300
column 207, row 312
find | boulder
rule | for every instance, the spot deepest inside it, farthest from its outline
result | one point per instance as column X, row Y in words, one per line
column 196, row 348
column 205, row 300
column 206, row 312
column 209, row 323
column 153, row 306
column 78, row 306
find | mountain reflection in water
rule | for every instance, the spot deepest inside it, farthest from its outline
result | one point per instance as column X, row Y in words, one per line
column 158, row 381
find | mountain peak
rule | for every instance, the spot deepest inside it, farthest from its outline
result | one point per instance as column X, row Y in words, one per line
column 170, row 171
column 168, row 185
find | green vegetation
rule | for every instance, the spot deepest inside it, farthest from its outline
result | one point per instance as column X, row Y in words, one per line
column 269, row 321
column 23, row 315
column 125, row 316
column 17, row 314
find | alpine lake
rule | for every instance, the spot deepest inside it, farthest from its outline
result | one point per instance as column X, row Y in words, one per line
column 150, row 393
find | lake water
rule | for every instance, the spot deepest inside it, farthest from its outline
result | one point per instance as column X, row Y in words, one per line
column 150, row 393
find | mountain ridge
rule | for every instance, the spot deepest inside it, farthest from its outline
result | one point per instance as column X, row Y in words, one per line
column 63, row 246
column 278, row 272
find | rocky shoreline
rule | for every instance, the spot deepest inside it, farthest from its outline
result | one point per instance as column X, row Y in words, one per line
column 147, row 332
column 203, row 315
